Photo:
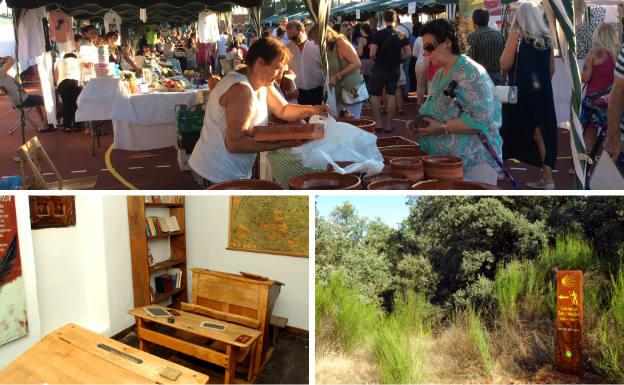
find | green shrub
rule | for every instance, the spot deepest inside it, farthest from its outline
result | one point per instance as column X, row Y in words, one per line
column 399, row 343
column 570, row 252
column 415, row 273
column 611, row 333
column 509, row 284
column 350, row 316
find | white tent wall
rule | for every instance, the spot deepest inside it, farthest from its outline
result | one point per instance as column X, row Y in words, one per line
column 31, row 47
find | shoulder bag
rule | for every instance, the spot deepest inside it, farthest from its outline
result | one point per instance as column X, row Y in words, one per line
column 509, row 94
column 356, row 94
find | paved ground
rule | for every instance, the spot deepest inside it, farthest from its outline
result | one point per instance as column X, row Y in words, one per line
column 158, row 169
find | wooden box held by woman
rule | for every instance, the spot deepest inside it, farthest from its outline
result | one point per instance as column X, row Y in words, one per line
column 240, row 101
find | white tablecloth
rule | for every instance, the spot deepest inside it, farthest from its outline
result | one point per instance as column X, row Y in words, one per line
column 96, row 100
column 140, row 122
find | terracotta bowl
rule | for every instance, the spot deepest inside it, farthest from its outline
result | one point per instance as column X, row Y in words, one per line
column 392, row 184
column 443, row 167
column 342, row 164
column 406, row 151
column 452, row 185
column 411, row 168
column 384, row 175
column 394, row 141
column 246, row 184
column 364, row 124
column 325, row 181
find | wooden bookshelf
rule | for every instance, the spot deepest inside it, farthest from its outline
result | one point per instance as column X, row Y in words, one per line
column 166, row 235
column 139, row 241
column 164, row 204
column 164, row 265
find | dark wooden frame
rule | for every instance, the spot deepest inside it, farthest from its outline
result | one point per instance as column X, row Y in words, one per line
column 61, row 211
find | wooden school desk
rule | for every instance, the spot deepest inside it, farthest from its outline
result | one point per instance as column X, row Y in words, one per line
column 192, row 339
column 73, row 355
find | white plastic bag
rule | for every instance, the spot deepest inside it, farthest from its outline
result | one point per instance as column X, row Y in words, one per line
column 343, row 142
column 331, row 99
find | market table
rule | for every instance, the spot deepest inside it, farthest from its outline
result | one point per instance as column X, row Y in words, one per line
column 73, row 355
column 140, row 122
column 237, row 339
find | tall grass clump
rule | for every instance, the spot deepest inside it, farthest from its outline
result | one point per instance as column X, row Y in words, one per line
column 509, row 284
column 570, row 252
column 399, row 344
column 611, row 333
column 343, row 314
column 479, row 336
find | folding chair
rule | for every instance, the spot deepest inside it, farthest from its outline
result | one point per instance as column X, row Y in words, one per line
column 34, row 157
column 17, row 108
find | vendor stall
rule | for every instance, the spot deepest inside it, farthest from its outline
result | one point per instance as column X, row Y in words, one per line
column 140, row 122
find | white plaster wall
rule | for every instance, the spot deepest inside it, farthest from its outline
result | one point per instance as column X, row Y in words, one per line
column 59, row 266
column 11, row 350
column 118, row 265
column 206, row 241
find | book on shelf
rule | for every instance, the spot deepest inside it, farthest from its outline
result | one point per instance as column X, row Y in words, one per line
column 164, row 283
column 175, row 199
column 150, row 257
column 176, row 277
column 161, row 225
column 172, row 223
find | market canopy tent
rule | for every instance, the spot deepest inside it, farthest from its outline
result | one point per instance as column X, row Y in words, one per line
column 174, row 11
column 110, row 4
column 129, row 9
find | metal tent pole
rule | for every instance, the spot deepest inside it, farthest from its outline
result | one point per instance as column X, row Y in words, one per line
column 18, row 77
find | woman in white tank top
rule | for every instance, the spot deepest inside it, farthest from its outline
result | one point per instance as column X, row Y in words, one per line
column 226, row 149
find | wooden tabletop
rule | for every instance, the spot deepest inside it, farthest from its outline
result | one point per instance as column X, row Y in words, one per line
column 70, row 355
column 190, row 322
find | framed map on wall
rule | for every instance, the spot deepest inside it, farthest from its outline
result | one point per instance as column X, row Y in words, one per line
column 269, row 225
column 13, row 318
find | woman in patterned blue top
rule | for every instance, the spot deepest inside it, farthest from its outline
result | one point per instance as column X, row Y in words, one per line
column 462, row 108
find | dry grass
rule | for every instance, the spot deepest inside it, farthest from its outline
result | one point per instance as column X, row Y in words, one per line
column 357, row 367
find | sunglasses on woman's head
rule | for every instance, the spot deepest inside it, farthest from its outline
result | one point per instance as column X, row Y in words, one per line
column 430, row 47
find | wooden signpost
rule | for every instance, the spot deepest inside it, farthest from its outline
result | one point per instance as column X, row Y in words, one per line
column 569, row 321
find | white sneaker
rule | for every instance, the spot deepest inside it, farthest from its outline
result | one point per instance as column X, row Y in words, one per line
column 541, row 185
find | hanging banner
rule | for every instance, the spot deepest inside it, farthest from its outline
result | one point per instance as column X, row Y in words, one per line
column 357, row 14
column 411, row 8
column 12, row 295
column 495, row 9
column 569, row 321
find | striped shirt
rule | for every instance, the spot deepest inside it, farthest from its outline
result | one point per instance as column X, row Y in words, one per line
column 486, row 47
column 619, row 72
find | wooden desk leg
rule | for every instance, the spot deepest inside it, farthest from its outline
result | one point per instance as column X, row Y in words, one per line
column 230, row 369
column 252, row 355
column 143, row 345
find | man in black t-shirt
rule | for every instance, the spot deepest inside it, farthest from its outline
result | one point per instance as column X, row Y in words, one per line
column 388, row 49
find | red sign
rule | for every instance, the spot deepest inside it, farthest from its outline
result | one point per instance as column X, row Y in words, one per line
column 570, row 321
column 9, row 250
column 13, row 317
